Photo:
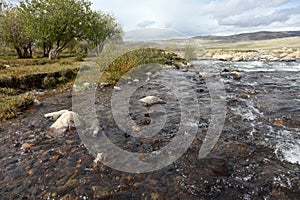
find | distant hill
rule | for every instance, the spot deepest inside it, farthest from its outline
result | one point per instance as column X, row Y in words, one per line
column 262, row 35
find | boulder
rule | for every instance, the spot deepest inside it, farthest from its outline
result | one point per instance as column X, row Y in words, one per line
column 103, row 85
column 237, row 58
column 268, row 57
column 66, row 121
column 86, row 84
column 288, row 58
column 232, row 75
column 36, row 102
column 223, row 57
column 55, row 115
column 236, row 75
column 151, row 100
column 117, row 88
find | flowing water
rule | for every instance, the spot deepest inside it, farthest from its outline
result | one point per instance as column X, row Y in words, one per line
column 272, row 104
column 256, row 156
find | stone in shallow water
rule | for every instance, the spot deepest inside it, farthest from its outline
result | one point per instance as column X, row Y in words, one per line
column 151, row 100
column 55, row 115
column 37, row 102
column 66, row 121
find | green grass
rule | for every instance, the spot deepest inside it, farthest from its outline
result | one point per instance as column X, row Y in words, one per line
column 132, row 59
column 25, row 74
column 38, row 66
column 10, row 106
column 28, row 72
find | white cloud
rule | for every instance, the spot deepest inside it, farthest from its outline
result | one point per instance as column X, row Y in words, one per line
column 195, row 17
column 252, row 20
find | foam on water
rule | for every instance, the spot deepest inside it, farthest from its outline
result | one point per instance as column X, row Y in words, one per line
column 254, row 65
column 288, row 146
column 285, row 141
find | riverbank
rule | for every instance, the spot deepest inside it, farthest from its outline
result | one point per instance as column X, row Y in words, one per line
column 24, row 82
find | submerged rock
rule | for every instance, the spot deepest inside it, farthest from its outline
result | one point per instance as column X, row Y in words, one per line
column 232, row 75
column 151, row 100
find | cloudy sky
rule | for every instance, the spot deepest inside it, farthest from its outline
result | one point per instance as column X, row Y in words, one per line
column 204, row 17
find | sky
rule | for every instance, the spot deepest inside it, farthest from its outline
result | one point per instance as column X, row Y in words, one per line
column 204, row 17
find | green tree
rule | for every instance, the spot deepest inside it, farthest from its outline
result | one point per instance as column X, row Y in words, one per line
column 55, row 24
column 102, row 27
column 59, row 22
column 15, row 32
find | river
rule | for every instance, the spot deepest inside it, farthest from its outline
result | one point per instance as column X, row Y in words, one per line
column 256, row 155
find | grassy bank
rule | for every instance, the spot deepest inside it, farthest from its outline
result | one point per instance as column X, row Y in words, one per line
column 20, row 76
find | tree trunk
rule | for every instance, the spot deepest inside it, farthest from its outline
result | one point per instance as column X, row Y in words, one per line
column 19, row 52
column 99, row 48
column 24, row 52
column 45, row 50
column 54, row 53
column 30, row 51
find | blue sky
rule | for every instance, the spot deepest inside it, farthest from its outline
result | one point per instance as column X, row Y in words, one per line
column 205, row 17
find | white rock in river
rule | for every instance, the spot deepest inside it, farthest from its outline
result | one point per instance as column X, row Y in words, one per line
column 55, row 115
column 151, row 100
column 66, row 121
column 86, row 84
column 117, row 88
column 37, row 102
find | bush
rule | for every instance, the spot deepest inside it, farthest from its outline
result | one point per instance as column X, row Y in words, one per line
column 189, row 52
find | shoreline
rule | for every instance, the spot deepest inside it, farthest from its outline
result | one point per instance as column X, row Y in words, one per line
column 277, row 55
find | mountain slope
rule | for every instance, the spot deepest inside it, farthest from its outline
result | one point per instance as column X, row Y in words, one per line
column 262, row 35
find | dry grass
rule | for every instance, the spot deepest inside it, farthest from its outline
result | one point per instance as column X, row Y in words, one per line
column 26, row 69
column 204, row 44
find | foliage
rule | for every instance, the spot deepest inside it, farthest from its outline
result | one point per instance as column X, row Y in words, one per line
column 14, row 31
column 102, row 27
column 55, row 25
column 189, row 52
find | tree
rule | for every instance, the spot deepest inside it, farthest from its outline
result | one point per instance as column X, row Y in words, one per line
column 59, row 22
column 53, row 24
column 14, row 31
column 102, row 27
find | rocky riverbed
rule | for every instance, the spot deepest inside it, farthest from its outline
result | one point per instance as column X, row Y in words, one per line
column 256, row 156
